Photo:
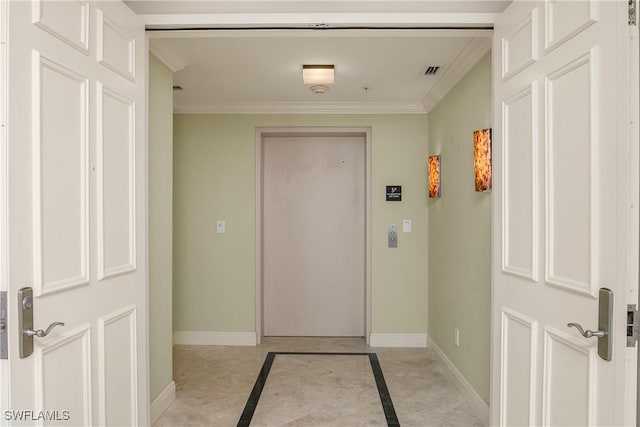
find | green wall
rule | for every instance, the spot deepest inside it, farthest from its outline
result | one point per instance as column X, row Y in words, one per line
column 160, row 224
column 214, row 178
column 460, row 231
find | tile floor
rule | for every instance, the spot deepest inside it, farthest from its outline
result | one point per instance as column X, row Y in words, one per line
column 214, row 382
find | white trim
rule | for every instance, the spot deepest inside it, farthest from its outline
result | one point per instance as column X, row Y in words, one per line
column 5, row 372
column 214, row 338
column 278, row 19
column 146, row 260
column 398, row 340
column 632, row 362
column 470, row 55
column 258, row 229
column 368, row 274
column 163, row 51
column 163, row 401
column 303, row 108
column 479, row 407
column 310, row 33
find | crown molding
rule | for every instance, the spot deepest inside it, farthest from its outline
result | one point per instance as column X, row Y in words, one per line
column 166, row 54
column 464, row 62
column 470, row 55
column 302, row 108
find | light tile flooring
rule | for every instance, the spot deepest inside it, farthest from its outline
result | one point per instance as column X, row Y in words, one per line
column 214, row 382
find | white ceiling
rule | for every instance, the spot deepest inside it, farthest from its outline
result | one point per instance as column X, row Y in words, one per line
column 242, row 70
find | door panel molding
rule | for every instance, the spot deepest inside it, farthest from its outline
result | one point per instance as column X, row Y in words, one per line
column 520, row 47
column 71, row 372
column 519, row 347
column 116, row 195
column 563, row 21
column 570, row 214
column 118, row 353
column 573, row 361
column 520, row 251
column 116, row 48
column 69, row 23
column 64, row 166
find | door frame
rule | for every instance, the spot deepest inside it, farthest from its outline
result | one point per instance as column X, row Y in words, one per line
column 4, row 181
column 328, row 131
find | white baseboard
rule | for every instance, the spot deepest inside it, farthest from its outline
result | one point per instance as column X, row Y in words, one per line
column 214, row 338
column 163, row 401
column 397, row 340
column 478, row 405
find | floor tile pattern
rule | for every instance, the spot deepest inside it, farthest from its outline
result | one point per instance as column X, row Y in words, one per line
column 317, row 383
column 214, row 382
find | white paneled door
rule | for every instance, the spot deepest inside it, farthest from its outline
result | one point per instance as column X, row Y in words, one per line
column 564, row 212
column 75, row 209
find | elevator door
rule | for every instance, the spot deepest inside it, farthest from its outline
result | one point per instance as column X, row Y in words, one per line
column 314, row 235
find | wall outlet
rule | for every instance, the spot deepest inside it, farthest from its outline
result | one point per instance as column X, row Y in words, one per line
column 456, row 338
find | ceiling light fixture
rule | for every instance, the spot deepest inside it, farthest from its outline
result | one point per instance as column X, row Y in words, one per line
column 319, row 89
column 318, row 74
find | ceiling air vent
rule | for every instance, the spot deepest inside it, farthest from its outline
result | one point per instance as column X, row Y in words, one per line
column 432, row 70
column 177, row 87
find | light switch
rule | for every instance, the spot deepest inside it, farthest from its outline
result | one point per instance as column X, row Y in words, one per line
column 406, row 225
column 220, row 227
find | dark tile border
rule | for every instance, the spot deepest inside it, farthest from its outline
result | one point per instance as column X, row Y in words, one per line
column 383, row 391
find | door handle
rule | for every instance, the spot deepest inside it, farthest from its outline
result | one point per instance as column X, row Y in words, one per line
column 40, row 333
column 605, row 319
column 588, row 333
column 25, row 322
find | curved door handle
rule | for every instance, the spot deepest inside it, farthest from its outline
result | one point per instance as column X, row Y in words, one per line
column 588, row 333
column 40, row 333
column 605, row 321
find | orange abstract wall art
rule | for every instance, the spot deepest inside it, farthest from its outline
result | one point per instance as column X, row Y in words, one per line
column 482, row 159
column 434, row 177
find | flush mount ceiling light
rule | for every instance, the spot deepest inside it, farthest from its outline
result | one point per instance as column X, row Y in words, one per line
column 318, row 74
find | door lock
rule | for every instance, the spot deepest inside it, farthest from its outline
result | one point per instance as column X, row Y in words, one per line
column 25, row 322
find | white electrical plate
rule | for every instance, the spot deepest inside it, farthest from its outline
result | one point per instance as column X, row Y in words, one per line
column 406, row 225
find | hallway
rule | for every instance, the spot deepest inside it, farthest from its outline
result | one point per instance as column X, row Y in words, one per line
column 214, row 383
